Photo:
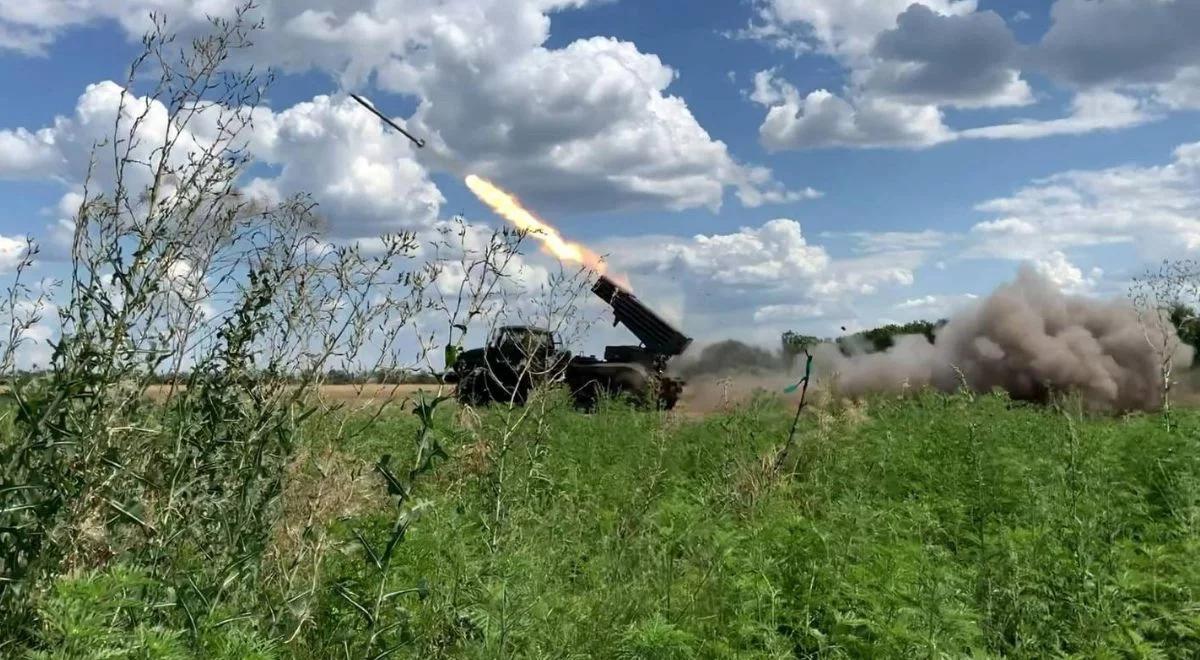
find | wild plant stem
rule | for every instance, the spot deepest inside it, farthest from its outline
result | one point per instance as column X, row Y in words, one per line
column 799, row 409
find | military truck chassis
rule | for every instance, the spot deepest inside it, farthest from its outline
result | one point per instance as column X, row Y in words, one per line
column 519, row 358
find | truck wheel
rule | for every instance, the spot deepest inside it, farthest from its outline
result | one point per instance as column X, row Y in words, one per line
column 630, row 385
column 501, row 391
column 587, row 396
column 519, row 394
column 667, row 395
column 472, row 389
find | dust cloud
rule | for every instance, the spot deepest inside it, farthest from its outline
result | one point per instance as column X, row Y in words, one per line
column 728, row 373
column 1027, row 338
column 727, row 358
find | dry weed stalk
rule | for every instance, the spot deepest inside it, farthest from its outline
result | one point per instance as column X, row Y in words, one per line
column 1157, row 295
column 175, row 271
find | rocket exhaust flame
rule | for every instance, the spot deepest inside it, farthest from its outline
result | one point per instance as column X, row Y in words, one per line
column 509, row 207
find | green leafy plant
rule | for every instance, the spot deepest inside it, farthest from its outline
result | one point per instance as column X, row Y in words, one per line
column 172, row 265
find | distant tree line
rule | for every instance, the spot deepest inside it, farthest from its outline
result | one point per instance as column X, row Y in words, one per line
column 1183, row 317
column 332, row 377
column 716, row 358
column 882, row 338
column 867, row 341
column 380, row 377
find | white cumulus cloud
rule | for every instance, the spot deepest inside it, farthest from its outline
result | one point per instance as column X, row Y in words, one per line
column 1155, row 208
column 845, row 28
column 1056, row 268
column 771, row 273
column 588, row 126
column 27, row 155
column 1090, row 111
column 12, row 251
column 1125, row 62
column 366, row 180
column 824, row 119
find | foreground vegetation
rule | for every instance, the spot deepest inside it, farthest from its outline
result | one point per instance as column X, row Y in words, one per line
column 939, row 526
column 224, row 515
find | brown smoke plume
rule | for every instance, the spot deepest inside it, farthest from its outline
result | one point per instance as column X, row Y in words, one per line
column 1029, row 339
column 727, row 358
column 727, row 373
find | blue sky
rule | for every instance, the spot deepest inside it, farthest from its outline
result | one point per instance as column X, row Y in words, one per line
column 753, row 166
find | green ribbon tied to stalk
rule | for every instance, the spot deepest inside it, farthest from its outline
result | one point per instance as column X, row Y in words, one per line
column 802, row 386
column 452, row 353
column 453, row 348
column 792, row 389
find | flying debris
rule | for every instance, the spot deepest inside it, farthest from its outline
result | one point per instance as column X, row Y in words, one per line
column 370, row 106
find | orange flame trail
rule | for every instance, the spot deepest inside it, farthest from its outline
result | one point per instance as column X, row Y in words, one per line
column 508, row 207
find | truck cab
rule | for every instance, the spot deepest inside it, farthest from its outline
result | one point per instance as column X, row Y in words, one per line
column 523, row 340
column 515, row 359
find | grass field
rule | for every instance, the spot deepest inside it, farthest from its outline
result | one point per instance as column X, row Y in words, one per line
column 341, row 393
column 934, row 527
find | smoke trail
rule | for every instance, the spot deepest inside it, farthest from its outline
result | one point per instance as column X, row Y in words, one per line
column 1029, row 339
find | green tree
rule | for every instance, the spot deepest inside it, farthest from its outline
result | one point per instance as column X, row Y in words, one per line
column 882, row 338
column 1187, row 325
column 794, row 343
